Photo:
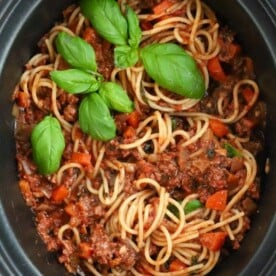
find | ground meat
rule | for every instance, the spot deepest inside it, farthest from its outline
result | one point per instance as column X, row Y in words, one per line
column 107, row 252
column 47, row 223
column 103, row 51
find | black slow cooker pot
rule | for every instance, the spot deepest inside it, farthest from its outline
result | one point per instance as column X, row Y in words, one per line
column 22, row 23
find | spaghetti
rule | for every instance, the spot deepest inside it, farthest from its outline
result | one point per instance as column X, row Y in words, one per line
column 127, row 211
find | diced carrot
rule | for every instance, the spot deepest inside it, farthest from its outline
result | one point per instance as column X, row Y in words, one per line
column 60, row 193
column 89, row 35
column 219, row 128
column 85, row 250
column 129, row 132
column 215, row 69
column 217, row 201
column 176, row 265
column 23, row 99
column 71, row 209
column 133, row 119
column 162, row 6
column 248, row 94
column 81, row 158
column 213, row 241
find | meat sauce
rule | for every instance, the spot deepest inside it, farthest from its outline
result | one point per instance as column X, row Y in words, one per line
column 211, row 171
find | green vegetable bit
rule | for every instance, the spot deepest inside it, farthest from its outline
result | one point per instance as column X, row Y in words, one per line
column 191, row 206
column 231, row 151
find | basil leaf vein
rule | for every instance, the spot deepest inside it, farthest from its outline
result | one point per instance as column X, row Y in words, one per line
column 95, row 118
column 116, row 97
column 76, row 51
column 107, row 18
column 75, row 81
column 48, row 145
column 173, row 69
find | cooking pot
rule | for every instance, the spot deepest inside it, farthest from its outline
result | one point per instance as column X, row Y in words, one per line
column 22, row 24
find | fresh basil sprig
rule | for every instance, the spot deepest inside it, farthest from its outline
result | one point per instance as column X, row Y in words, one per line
column 173, row 69
column 106, row 17
column 95, row 118
column 76, row 51
column 75, row 81
column 47, row 145
column 116, row 97
column 94, row 115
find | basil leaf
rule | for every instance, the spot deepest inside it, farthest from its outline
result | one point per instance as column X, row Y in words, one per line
column 231, row 151
column 95, row 118
column 75, row 81
column 107, row 18
column 76, row 51
column 116, row 97
column 134, row 30
column 125, row 56
column 47, row 145
column 173, row 69
column 192, row 205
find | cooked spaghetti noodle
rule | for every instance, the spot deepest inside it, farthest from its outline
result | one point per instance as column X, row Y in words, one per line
column 124, row 211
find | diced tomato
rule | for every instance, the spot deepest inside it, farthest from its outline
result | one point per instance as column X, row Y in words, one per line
column 129, row 132
column 176, row 265
column 215, row 70
column 85, row 250
column 213, row 241
column 60, row 193
column 23, row 99
column 71, row 209
column 248, row 94
column 133, row 119
column 163, row 6
column 217, row 201
column 81, row 158
column 219, row 128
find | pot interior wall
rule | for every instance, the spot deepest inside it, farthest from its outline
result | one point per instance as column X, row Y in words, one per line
column 28, row 252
